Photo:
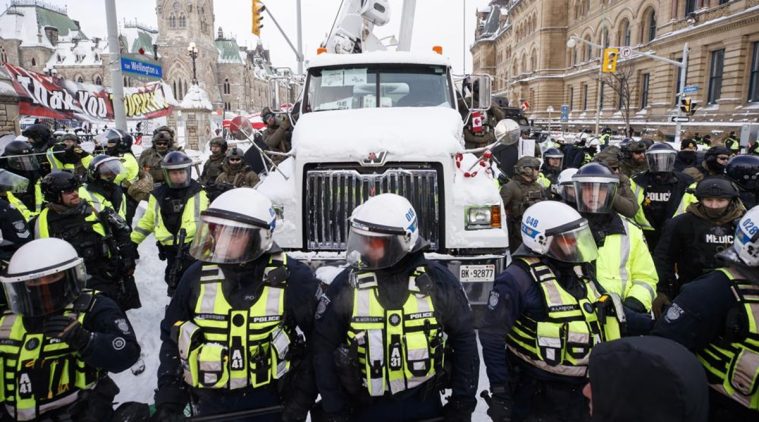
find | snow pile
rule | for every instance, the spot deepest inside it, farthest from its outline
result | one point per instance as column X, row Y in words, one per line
column 196, row 99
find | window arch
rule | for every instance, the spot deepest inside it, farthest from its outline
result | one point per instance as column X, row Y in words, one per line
column 605, row 42
column 34, row 62
column 172, row 21
column 182, row 21
column 624, row 33
column 98, row 80
column 524, row 63
column 588, row 49
column 226, row 86
column 649, row 25
column 534, row 61
column 80, row 79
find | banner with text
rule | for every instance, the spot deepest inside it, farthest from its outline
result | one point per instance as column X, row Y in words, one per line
column 49, row 96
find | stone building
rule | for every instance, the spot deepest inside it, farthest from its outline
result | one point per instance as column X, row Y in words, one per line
column 523, row 45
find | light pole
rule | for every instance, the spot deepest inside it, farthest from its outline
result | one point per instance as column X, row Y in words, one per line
column 192, row 50
column 572, row 43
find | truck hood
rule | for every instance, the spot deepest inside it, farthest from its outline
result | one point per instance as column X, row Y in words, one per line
column 403, row 132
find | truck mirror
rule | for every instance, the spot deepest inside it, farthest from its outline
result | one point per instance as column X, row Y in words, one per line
column 481, row 96
column 274, row 102
column 507, row 132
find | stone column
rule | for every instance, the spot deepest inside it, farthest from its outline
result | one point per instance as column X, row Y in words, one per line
column 194, row 115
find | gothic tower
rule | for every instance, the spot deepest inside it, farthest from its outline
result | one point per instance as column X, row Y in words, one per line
column 181, row 22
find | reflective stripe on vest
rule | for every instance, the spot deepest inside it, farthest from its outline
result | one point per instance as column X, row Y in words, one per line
column 225, row 348
column 640, row 215
column 398, row 349
column 733, row 369
column 167, row 237
column 42, row 230
column 40, row 374
column 561, row 344
column 39, row 199
column 99, row 202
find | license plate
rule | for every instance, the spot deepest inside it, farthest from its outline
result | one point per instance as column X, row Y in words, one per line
column 477, row 272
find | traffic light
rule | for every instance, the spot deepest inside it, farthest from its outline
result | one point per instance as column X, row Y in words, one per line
column 686, row 105
column 610, row 60
column 258, row 10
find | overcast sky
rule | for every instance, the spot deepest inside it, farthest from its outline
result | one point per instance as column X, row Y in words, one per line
column 438, row 22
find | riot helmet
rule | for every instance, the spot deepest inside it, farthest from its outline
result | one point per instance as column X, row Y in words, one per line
column 595, row 186
column 556, row 230
column 55, row 184
column 553, row 158
column 745, row 249
column 236, row 228
column 383, row 230
column 716, row 158
column 565, row 187
column 43, row 277
column 104, row 167
column 116, row 142
column 744, row 171
column 661, row 158
column 173, row 165
column 19, row 157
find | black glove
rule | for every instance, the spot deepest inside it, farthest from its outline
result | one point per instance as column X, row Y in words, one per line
column 635, row 305
column 458, row 410
column 294, row 412
column 499, row 404
column 168, row 412
column 67, row 329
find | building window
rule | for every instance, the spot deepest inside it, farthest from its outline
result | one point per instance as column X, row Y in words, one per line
column 534, row 61
column 644, row 90
column 571, row 98
column 650, row 26
column 605, row 38
column 98, row 80
column 588, row 50
column 585, row 97
column 753, row 86
column 601, row 94
column 182, row 21
column 172, row 21
column 34, row 62
column 690, row 6
column 715, row 75
column 80, row 79
column 226, row 86
column 574, row 56
column 624, row 33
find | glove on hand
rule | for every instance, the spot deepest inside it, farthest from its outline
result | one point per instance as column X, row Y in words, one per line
column 458, row 410
column 168, row 412
column 499, row 404
column 67, row 329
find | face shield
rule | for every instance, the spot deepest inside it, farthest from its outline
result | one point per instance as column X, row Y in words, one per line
column 177, row 178
column 373, row 251
column 567, row 192
column 595, row 195
column 44, row 293
column 224, row 241
column 572, row 242
column 661, row 162
column 11, row 182
column 110, row 169
column 23, row 163
column 554, row 162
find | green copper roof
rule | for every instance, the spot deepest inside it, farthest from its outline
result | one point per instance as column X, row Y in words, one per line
column 46, row 17
column 229, row 51
column 143, row 41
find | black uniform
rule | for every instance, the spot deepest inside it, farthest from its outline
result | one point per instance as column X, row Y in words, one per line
column 13, row 230
column 453, row 314
column 689, row 243
column 242, row 286
column 698, row 316
column 574, row 156
column 663, row 192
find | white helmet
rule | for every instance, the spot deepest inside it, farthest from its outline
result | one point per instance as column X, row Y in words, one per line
column 564, row 186
column 43, row 277
column 558, row 231
column 746, row 240
column 236, row 228
column 507, row 131
column 384, row 229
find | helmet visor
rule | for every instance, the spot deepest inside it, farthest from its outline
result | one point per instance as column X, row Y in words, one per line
column 177, row 178
column 44, row 294
column 221, row 241
column 661, row 162
column 573, row 245
column 595, row 196
column 23, row 163
column 374, row 251
column 11, row 182
column 110, row 169
column 567, row 192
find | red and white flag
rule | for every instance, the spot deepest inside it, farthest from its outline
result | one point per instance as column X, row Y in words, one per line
column 476, row 122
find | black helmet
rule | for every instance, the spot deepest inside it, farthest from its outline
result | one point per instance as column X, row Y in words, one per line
column 710, row 158
column 104, row 167
column 716, row 187
column 70, row 137
column 221, row 142
column 595, row 186
column 661, row 158
column 176, row 160
column 38, row 134
column 744, row 171
column 553, row 153
column 117, row 142
column 606, row 130
column 19, row 157
column 57, row 182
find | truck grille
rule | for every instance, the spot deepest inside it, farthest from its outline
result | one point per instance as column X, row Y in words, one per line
column 331, row 195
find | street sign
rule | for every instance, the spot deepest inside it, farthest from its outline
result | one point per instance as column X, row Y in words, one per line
column 679, row 119
column 625, row 53
column 564, row 113
column 690, row 89
column 143, row 67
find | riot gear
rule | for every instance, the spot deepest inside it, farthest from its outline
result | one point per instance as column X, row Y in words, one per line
column 58, row 182
column 661, row 158
column 595, row 186
column 176, row 160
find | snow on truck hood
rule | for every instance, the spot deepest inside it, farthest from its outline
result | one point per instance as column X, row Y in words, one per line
column 411, row 133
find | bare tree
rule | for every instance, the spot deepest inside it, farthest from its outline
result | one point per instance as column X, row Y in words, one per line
column 621, row 82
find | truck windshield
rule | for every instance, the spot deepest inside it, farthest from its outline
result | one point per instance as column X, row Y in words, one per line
column 368, row 86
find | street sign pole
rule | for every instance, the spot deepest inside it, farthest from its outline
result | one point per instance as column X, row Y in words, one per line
column 117, row 82
column 681, row 88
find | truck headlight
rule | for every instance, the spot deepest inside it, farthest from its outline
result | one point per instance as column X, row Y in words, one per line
column 482, row 217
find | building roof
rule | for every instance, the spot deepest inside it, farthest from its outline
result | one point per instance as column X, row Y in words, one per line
column 137, row 36
column 56, row 19
column 229, row 51
column 25, row 20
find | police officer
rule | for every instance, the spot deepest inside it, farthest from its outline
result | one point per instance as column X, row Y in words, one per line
column 544, row 315
column 624, row 265
column 214, row 165
column 68, row 155
column 101, row 191
column 41, row 139
column 564, row 189
column 633, row 158
column 59, row 341
column 625, row 202
column 659, row 191
column 687, row 156
column 234, row 335
column 13, row 229
column 172, row 215
column 744, row 171
column 733, row 143
column 553, row 164
column 715, row 316
column 605, row 137
column 714, row 163
column 100, row 238
column 18, row 158
column 134, row 182
column 574, row 156
column 519, row 193
column 385, row 325
column 150, row 160
column 690, row 241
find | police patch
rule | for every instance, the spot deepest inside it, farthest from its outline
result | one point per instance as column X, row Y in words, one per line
column 32, row 344
column 674, row 312
column 118, row 343
column 122, row 325
column 493, row 300
column 395, row 319
column 321, row 307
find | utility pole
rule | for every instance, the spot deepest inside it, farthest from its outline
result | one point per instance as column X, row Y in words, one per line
column 680, row 89
column 300, row 38
column 117, row 81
